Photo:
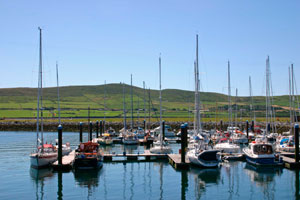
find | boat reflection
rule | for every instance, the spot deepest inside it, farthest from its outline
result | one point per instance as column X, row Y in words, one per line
column 264, row 178
column 205, row 178
column 262, row 175
column 87, row 178
column 39, row 176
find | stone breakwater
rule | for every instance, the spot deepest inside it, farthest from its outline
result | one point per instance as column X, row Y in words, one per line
column 15, row 125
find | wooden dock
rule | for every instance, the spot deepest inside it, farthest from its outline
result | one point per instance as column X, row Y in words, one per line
column 290, row 163
column 175, row 161
column 139, row 157
column 67, row 162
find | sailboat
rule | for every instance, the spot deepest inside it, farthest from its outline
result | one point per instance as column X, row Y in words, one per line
column 66, row 149
column 45, row 153
column 260, row 152
column 161, row 147
column 202, row 154
column 129, row 138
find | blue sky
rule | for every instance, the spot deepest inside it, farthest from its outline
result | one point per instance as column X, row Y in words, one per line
column 95, row 40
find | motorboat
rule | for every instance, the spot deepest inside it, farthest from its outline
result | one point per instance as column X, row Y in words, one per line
column 168, row 132
column 105, row 139
column 88, row 156
column 203, row 155
column 66, row 148
column 130, row 139
column 262, row 154
column 225, row 145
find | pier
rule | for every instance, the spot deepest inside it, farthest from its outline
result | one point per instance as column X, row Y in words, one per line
column 67, row 162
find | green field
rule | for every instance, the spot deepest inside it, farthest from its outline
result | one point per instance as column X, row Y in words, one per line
column 107, row 101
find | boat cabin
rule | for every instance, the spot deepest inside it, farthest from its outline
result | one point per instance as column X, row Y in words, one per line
column 88, row 147
column 260, row 149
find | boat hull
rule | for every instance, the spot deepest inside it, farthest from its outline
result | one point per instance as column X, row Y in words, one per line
column 199, row 159
column 262, row 161
column 161, row 150
column 88, row 163
column 39, row 161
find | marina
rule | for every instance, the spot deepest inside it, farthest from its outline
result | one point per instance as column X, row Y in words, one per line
column 156, row 179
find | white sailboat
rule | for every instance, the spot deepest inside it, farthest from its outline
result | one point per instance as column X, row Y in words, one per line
column 130, row 138
column 45, row 153
column 161, row 147
column 202, row 155
column 66, row 149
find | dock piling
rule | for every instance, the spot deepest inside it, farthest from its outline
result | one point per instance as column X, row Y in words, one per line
column 80, row 132
column 59, row 145
column 247, row 129
column 97, row 129
column 91, row 131
column 163, row 130
column 183, row 141
column 296, row 143
column 101, row 128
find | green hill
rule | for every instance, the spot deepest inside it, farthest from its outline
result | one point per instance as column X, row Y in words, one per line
column 75, row 100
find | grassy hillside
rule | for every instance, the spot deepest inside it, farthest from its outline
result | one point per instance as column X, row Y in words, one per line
column 75, row 100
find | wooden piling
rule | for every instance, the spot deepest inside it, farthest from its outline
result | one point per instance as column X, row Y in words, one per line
column 101, row 129
column 80, row 132
column 91, row 131
column 247, row 129
column 59, row 145
column 296, row 143
column 163, row 130
column 97, row 129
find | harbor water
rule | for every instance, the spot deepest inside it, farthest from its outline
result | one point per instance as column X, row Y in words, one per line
column 134, row 180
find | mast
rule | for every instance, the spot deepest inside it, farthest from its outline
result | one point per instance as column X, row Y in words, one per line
column 144, row 105
column 293, row 95
column 229, row 98
column 149, row 105
column 236, row 94
column 124, row 108
column 58, row 92
column 197, row 85
column 290, row 99
column 41, row 89
column 104, row 100
column 160, row 110
column 131, row 104
column 252, row 110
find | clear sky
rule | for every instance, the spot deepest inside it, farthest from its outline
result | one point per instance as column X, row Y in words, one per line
column 97, row 40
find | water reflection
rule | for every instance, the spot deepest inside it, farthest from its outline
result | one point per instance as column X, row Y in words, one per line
column 297, row 195
column 204, row 178
column 264, row 178
column 87, row 178
column 39, row 177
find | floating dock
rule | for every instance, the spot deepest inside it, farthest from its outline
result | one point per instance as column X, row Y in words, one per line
column 175, row 161
column 67, row 162
column 139, row 157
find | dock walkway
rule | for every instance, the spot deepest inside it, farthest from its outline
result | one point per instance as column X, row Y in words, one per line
column 67, row 162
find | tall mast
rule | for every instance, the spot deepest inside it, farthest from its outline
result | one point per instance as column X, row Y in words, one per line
column 196, row 113
column 236, row 94
column 41, row 89
column 58, row 92
column 144, row 87
column 131, row 103
column 290, row 99
column 252, row 110
column 124, row 108
column 268, row 110
column 160, row 110
column 149, row 108
column 104, row 100
column 197, row 85
column 229, row 98
column 293, row 95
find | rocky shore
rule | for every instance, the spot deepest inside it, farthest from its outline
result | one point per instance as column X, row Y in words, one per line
column 15, row 125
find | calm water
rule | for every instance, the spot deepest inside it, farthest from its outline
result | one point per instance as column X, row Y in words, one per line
column 155, row 180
